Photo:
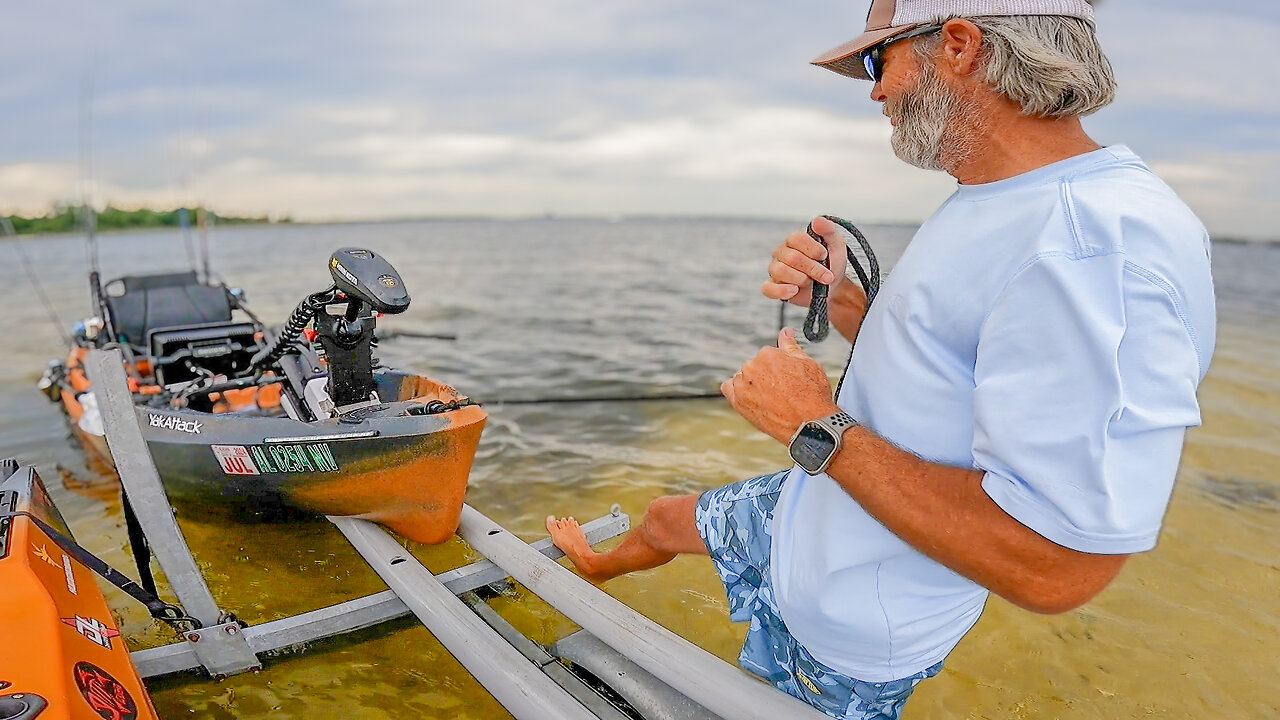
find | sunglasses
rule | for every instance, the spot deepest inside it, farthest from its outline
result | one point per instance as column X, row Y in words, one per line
column 873, row 57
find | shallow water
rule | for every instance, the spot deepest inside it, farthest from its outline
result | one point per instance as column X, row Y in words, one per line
column 558, row 308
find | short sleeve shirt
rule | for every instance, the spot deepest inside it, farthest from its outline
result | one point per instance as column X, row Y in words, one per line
column 1050, row 330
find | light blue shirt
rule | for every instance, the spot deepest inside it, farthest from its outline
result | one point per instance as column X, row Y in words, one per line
column 1050, row 330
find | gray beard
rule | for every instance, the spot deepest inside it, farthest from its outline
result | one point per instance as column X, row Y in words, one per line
column 931, row 132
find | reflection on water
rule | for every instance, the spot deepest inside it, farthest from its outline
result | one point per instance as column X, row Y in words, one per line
column 551, row 309
column 1240, row 493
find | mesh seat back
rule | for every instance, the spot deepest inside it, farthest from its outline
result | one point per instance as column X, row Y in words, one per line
column 141, row 303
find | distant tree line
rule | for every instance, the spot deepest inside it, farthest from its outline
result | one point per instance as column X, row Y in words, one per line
column 70, row 218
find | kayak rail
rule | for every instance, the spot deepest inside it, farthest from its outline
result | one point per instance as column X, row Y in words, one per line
column 666, row 676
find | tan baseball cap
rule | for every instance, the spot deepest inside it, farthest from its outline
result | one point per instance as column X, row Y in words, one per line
column 888, row 18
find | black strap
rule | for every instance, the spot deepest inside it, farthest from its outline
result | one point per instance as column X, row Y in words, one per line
column 138, row 545
column 160, row 610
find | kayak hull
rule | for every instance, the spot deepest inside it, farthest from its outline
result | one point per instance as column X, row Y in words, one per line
column 383, row 463
column 408, row 473
column 62, row 655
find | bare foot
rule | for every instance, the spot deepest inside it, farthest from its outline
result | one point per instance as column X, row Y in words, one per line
column 567, row 535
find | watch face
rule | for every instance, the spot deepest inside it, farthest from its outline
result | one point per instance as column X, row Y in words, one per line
column 812, row 446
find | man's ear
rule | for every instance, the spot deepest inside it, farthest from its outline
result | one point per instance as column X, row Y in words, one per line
column 961, row 41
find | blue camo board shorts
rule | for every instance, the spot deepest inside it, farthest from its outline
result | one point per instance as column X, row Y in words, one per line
column 736, row 523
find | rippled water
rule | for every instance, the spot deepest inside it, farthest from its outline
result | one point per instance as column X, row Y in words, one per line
column 589, row 308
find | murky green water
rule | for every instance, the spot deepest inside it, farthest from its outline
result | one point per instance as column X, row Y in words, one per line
column 552, row 308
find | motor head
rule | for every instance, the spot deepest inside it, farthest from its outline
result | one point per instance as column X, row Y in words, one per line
column 368, row 277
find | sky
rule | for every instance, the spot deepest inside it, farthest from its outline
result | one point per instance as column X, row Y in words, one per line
column 364, row 109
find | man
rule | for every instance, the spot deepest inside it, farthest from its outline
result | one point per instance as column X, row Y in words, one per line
column 1021, row 385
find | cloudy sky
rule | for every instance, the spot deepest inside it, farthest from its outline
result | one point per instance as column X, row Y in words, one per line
column 346, row 109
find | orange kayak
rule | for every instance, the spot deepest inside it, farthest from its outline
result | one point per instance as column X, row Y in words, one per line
column 61, row 653
column 386, row 463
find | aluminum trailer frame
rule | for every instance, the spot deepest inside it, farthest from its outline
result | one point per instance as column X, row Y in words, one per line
column 666, row 675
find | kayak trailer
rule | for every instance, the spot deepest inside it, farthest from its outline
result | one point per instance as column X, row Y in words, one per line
column 620, row 665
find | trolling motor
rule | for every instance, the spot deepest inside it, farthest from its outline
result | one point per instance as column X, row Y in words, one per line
column 367, row 284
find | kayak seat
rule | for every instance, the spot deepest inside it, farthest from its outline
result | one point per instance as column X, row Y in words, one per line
column 140, row 304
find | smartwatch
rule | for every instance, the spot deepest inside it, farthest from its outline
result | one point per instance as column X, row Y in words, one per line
column 816, row 442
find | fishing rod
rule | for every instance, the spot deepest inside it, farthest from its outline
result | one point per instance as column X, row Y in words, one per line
column 7, row 226
column 204, row 219
column 188, row 243
column 89, row 221
column 88, row 216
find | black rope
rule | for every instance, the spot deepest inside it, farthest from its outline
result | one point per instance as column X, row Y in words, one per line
column 817, row 324
column 615, row 398
column 816, row 328
column 159, row 609
column 396, row 334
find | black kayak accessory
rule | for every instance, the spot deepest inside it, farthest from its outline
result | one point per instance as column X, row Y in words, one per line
column 366, row 276
column 817, row 324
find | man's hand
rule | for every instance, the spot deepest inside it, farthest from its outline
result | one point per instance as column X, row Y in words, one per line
column 780, row 389
column 797, row 263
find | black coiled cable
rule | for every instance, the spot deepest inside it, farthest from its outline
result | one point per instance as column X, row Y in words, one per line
column 293, row 327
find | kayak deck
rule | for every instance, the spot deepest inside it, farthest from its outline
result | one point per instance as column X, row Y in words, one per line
column 62, row 655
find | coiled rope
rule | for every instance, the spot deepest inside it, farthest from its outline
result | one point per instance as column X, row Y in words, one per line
column 817, row 324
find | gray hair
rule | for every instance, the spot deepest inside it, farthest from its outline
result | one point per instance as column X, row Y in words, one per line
column 1051, row 65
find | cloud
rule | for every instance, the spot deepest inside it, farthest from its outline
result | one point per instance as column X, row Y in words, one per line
column 353, row 109
column 1167, row 66
column 29, row 188
column 771, row 161
column 1232, row 193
